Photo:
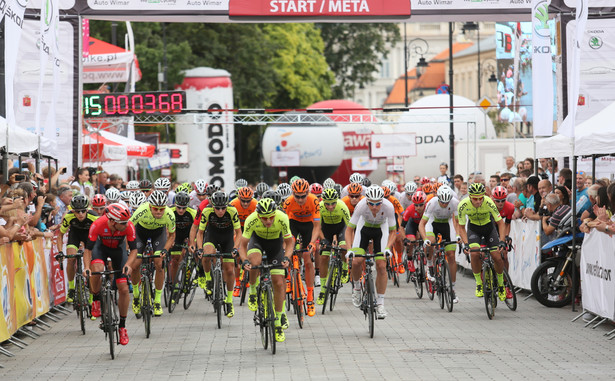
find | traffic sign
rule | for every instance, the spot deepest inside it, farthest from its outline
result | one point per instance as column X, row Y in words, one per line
column 484, row 103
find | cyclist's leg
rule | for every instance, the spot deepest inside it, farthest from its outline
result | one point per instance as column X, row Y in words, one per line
column 136, row 272
column 71, row 249
column 228, row 267
column 380, row 238
column 206, row 262
column 445, row 230
column 432, row 237
column 255, row 255
column 498, row 263
column 118, row 260
column 97, row 264
column 305, row 230
column 177, row 254
column 158, row 244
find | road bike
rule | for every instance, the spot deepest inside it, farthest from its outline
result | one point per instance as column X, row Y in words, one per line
column 334, row 278
column 185, row 280
column 418, row 257
column 219, row 286
column 109, row 313
column 81, row 299
column 146, row 297
column 368, row 291
column 393, row 269
column 298, row 294
column 264, row 316
column 443, row 284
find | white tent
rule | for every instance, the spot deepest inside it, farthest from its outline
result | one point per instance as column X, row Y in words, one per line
column 22, row 141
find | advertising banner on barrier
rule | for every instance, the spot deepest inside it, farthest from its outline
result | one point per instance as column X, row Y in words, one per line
column 8, row 324
column 597, row 264
column 525, row 256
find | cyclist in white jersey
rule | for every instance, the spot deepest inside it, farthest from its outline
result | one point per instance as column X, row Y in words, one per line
column 378, row 217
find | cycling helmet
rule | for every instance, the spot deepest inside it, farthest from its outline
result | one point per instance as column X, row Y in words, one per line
column 425, row 180
column 284, row 190
column 117, row 212
column 316, row 189
column 232, row 194
column 410, row 187
column 262, row 188
column 476, row 189
column 445, row 194
column 184, row 187
column 245, row 193
column 419, row 197
column 355, row 189
column 219, row 199
column 300, row 186
column 437, row 186
column 125, row 195
column 338, row 188
column 330, row 194
column 356, row 177
column 211, row 189
column 386, row 191
column 366, row 182
column 200, row 186
column 162, row 183
column 275, row 196
column 293, row 179
column 374, row 192
column 266, row 207
column 328, row 183
column 428, row 188
column 145, row 184
column 392, row 187
column 99, row 200
column 136, row 199
column 79, row 202
column 182, row 199
column 158, row 198
column 112, row 195
column 241, row 183
column 132, row 185
column 499, row 193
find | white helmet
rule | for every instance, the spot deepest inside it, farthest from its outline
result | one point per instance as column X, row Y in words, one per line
column 240, row 183
column 328, row 183
column 162, row 183
column 132, row 185
column 112, row 195
column 374, row 192
column 445, row 194
column 410, row 187
column 158, row 198
column 356, row 177
column 136, row 199
column 392, row 187
column 200, row 186
column 125, row 195
column 285, row 190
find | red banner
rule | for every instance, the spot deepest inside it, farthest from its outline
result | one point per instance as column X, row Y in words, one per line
column 319, row 8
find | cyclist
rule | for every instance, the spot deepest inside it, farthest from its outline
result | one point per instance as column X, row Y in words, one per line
column 268, row 230
column 303, row 212
column 77, row 223
column 506, row 209
column 99, row 203
column 221, row 228
column 439, row 213
column 153, row 220
column 137, row 198
column 388, row 190
column 245, row 205
column 355, row 178
column 335, row 216
column 132, row 185
column 411, row 220
column 164, row 184
column 145, row 186
column 375, row 213
column 355, row 191
column 482, row 215
column 184, row 218
column 406, row 198
column 316, row 189
column 198, row 195
column 113, row 196
column 261, row 188
column 106, row 240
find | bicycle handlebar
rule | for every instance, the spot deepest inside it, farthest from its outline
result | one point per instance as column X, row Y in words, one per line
column 218, row 255
column 105, row 272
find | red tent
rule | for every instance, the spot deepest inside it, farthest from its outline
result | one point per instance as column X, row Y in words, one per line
column 108, row 63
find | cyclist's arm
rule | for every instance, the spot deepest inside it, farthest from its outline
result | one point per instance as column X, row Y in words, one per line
column 237, row 239
column 316, row 232
column 132, row 257
column 392, row 238
column 199, row 239
column 60, row 241
column 507, row 229
column 349, row 236
column 456, row 226
column 289, row 245
column 243, row 248
column 422, row 228
column 192, row 236
column 462, row 232
column 170, row 241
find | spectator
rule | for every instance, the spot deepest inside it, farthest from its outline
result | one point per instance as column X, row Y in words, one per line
column 103, row 178
column 516, row 186
column 115, row 181
column 565, row 178
column 563, row 194
column 544, row 188
column 528, row 163
column 510, row 165
column 82, row 182
column 557, row 211
column 494, row 181
column 588, row 182
column 525, row 173
column 444, row 178
column 463, row 191
column 583, row 202
column 519, row 167
column 65, row 194
column 457, row 181
column 533, row 197
column 505, row 179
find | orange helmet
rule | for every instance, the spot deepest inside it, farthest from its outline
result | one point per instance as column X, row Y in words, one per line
column 428, row 188
column 437, row 186
column 300, row 186
column 387, row 192
column 355, row 189
column 245, row 193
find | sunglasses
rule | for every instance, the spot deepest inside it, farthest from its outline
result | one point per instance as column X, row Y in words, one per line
column 330, row 203
column 80, row 211
column 121, row 222
column 220, row 207
column 357, row 196
column 300, row 196
column 477, row 198
column 370, row 203
column 159, row 208
column 419, row 204
column 180, row 207
column 201, row 194
column 499, row 201
column 245, row 201
column 502, row 180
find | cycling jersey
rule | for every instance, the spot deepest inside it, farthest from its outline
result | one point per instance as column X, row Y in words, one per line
column 396, row 204
column 183, row 223
column 280, row 227
column 349, row 205
column 244, row 212
column 100, row 231
column 144, row 218
column 386, row 214
column 71, row 222
column 229, row 221
column 507, row 212
column 478, row 216
column 309, row 211
column 434, row 212
column 412, row 213
column 199, row 210
column 339, row 214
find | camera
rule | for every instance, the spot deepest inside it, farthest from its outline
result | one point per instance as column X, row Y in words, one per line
column 47, row 209
column 20, row 178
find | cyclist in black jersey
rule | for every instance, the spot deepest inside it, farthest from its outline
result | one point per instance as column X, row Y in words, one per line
column 184, row 218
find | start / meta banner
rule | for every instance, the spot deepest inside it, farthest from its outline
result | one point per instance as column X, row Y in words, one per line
column 316, row 8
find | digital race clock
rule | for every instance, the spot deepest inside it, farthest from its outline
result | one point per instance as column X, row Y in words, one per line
column 130, row 104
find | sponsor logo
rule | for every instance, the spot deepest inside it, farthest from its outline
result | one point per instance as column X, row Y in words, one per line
column 598, row 271
column 215, row 145
column 595, row 42
column 540, row 15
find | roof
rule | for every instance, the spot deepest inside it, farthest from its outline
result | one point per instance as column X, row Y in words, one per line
column 433, row 77
column 487, row 44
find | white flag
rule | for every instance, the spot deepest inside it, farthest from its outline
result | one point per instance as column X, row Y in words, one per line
column 14, row 11
column 542, row 72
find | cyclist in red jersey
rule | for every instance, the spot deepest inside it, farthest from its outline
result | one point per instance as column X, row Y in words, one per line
column 106, row 240
column 507, row 210
column 411, row 220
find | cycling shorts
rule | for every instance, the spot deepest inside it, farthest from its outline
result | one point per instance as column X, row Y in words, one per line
column 442, row 228
column 486, row 235
column 412, row 230
column 223, row 242
column 118, row 256
column 75, row 237
column 303, row 229
column 158, row 237
column 273, row 249
column 360, row 244
column 334, row 230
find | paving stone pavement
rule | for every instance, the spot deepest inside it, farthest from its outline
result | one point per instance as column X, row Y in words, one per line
column 417, row 340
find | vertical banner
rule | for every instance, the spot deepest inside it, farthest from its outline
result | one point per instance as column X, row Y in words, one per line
column 542, row 72
column 597, row 264
column 13, row 24
column 525, row 256
column 8, row 324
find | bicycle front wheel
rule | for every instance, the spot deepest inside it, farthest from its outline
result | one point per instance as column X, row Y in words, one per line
column 191, row 286
column 177, row 286
column 217, row 297
column 336, row 285
column 262, row 318
column 511, row 303
column 146, row 305
column 439, row 285
column 371, row 304
column 298, row 297
column 270, row 318
column 80, row 302
column 329, row 284
column 419, row 275
column 489, row 290
column 108, row 321
column 447, row 286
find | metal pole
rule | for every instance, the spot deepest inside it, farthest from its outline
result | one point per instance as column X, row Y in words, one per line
column 574, row 229
column 450, row 97
column 478, row 45
column 593, row 168
column 405, row 67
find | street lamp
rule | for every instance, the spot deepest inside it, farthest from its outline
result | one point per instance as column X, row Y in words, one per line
column 489, row 67
column 420, row 47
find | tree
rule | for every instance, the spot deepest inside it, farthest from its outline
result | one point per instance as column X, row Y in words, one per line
column 354, row 52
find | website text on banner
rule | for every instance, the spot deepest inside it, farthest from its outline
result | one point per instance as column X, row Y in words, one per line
column 597, row 264
column 525, row 256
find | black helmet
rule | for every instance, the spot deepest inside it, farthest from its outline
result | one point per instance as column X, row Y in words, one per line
column 219, row 199
column 366, row 182
column 211, row 189
column 182, row 199
column 275, row 196
column 79, row 202
column 145, row 184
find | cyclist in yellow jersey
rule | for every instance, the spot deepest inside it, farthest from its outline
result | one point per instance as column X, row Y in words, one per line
column 153, row 220
column 220, row 228
column 268, row 230
column 480, row 212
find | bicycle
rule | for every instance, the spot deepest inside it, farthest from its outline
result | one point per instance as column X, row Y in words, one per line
column 167, row 289
column 418, row 257
column 334, row 279
column 368, row 291
column 81, row 300
column 218, row 292
column 185, row 280
column 490, row 282
column 298, row 294
column 443, row 285
column 264, row 316
column 243, row 285
column 147, row 286
column 109, row 313
column 392, row 269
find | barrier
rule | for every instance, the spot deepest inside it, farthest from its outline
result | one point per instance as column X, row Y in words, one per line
column 597, row 264
column 525, row 256
column 25, row 293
